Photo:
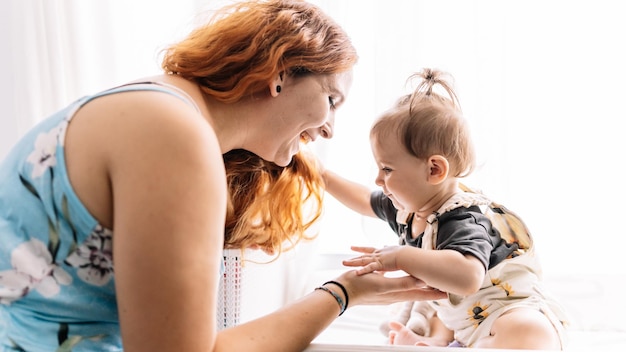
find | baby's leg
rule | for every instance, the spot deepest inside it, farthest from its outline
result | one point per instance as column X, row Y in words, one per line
column 439, row 331
column 420, row 318
column 522, row 328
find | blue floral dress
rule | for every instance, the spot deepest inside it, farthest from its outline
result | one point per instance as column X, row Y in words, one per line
column 57, row 283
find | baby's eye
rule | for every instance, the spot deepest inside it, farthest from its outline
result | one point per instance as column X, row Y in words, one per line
column 386, row 170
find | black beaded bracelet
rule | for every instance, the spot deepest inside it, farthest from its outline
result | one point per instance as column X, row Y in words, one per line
column 342, row 306
column 343, row 289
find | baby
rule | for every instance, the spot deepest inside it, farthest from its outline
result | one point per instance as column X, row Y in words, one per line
column 454, row 239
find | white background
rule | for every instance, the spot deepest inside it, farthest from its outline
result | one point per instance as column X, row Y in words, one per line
column 541, row 83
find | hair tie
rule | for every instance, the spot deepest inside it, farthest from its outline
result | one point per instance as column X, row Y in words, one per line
column 342, row 306
column 343, row 289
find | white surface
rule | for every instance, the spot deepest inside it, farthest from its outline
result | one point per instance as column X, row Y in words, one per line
column 594, row 304
column 357, row 330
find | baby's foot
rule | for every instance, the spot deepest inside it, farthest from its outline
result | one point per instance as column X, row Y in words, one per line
column 401, row 335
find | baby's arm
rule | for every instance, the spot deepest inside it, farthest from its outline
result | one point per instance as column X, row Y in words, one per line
column 351, row 194
column 446, row 270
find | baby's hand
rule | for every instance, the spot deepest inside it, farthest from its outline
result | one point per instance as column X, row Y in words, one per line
column 373, row 259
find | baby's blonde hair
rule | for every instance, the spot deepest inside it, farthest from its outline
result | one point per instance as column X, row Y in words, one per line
column 428, row 123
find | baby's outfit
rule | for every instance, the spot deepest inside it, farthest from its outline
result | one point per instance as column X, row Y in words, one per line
column 57, row 283
column 472, row 224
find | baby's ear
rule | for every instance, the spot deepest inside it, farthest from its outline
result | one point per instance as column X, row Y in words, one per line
column 439, row 169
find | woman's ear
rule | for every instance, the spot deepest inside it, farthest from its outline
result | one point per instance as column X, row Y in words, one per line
column 276, row 85
column 439, row 169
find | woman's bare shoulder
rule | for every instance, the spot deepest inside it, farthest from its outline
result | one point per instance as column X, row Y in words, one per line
column 128, row 138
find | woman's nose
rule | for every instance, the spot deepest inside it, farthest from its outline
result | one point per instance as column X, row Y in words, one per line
column 326, row 131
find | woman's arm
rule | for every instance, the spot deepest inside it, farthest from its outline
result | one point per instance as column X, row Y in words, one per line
column 351, row 194
column 293, row 327
column 169, row 203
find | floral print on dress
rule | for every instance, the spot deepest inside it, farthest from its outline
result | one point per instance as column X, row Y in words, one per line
column 505, row 286
column 94, row 257
column 43, row 156
column 33, row 270
column 478, row 313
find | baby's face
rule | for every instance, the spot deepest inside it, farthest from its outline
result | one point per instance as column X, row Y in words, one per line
column 402, row 176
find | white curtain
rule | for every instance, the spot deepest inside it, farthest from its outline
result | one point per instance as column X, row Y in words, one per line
column 55, row 51
column 540, row 81
column 34, row 83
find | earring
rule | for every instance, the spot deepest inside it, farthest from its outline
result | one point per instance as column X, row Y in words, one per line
column 278, row 89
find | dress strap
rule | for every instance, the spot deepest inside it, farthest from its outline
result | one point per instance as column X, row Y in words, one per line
column 153, row 85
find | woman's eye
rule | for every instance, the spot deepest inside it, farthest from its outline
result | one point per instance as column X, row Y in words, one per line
column 331, row 101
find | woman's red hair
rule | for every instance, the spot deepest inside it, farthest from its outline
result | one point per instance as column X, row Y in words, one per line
column 247, row 44
column 270, row 205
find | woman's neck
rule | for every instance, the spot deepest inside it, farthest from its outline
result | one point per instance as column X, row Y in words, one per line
column 231, row 123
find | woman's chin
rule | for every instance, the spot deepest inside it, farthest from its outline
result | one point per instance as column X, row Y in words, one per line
column 284, row 159
column 282, row 162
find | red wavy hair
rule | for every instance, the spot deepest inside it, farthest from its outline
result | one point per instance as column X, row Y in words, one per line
column 270, row 205
column 247, row 44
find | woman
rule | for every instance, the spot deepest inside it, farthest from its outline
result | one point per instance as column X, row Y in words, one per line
column 112, row 211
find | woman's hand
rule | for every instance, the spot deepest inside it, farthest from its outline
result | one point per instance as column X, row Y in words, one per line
column 377, row 289
column 384, row 259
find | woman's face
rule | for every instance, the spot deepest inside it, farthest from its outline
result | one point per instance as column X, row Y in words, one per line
column 304, row 110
